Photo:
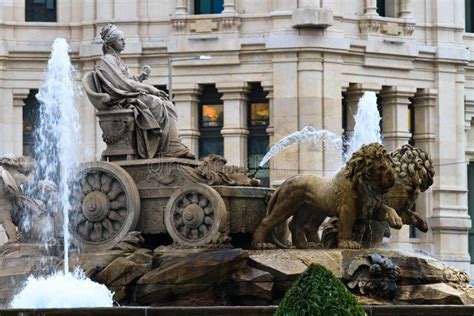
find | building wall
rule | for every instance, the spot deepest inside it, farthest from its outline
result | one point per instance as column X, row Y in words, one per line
column 345, row 47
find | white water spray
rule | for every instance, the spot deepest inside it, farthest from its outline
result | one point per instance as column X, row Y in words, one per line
column 58, row 149
column 62, row 290
column 308, row 133
column 367, row 124
column 58, row 135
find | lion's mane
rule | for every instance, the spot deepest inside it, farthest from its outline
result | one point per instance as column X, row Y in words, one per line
column 359, row 169
column 414, row 167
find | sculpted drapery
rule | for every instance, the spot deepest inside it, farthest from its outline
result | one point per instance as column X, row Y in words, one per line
column 155, row 115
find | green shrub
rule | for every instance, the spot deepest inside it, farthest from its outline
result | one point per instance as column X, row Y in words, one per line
column 318, row 292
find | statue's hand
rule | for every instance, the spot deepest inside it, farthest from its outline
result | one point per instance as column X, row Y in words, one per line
column 164, row 95
column 146, row 70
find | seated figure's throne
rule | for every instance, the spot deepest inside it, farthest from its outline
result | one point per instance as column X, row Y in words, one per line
column 117, row 124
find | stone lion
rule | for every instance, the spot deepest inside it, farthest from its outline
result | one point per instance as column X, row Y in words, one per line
column 356, row 191
column 414, row 173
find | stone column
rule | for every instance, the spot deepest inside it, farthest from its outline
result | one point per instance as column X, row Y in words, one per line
column 235, row 130
column 395, row 116
column 450, row 221
column 332, row 109
column 370, row 8
column 353, row 94
column 268, row 87
column 405, row 9
column 186, row 99
column 181, row 7
column 310, row 110
column 424, row 137
column 16, row 123
column 396, row 133
column 285, row 114
column 229, row 6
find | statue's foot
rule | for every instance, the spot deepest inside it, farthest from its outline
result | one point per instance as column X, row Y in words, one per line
column 264, row 246
column 348, row 244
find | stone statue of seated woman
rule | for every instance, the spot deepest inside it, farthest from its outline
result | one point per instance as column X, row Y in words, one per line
column 111, row 86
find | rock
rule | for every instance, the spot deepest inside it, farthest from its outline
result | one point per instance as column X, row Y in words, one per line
column 121, row 272
column 428, row 294
column 92, row 263
column 290, row 263
column 17, row 262
column 251, row 286
column 142, row 256
column 190, row 274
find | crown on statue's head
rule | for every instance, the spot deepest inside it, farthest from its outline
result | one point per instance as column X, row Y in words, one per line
column 107, row 30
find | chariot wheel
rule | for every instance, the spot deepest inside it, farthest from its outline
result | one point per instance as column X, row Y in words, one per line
column 105, row 206
column 194, row 215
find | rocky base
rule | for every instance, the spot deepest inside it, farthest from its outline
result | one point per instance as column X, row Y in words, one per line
column 200, row 277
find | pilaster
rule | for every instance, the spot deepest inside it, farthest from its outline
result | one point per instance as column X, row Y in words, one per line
column 395, row 101
column 16, row 123
column 235, row 130
column 186, row 99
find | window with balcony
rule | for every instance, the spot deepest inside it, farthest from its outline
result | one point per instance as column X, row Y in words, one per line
column 211, row 120
column 40, row 11
column 208, row 6
column 258, row 141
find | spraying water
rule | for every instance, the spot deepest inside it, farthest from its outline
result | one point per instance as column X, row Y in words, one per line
column 58, row 134
column 61, row 290
column 366, row 131
column 57, row 152
column 308, row 133
column 367, row 124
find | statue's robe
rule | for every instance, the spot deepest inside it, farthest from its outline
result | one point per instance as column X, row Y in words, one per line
column 155, row 117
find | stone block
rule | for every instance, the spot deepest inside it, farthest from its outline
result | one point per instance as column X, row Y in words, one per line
column 312, row 18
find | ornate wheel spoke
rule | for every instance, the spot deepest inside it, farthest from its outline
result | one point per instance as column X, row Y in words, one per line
column 105, row 207
column 194, row 214
column 106, row 183
column 116, row 205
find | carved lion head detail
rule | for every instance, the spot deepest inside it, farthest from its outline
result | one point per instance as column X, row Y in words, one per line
column 371, row 166
column 414, row 167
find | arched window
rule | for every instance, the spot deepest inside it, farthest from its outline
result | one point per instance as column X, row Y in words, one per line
column 258, row 120
column 211, row 120
column 40, row 11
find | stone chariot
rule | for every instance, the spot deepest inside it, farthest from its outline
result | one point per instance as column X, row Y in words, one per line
column 197, row 202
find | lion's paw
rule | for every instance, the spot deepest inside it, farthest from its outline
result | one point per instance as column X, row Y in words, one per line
column 395, row 221
column 348, row 244
column 422, row 226
column 264, row 246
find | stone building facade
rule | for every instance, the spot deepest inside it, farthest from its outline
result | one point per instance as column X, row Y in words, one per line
column 276, row 66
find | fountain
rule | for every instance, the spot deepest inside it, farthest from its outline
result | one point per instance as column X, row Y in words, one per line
column 156, row 226
column 57, row 152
